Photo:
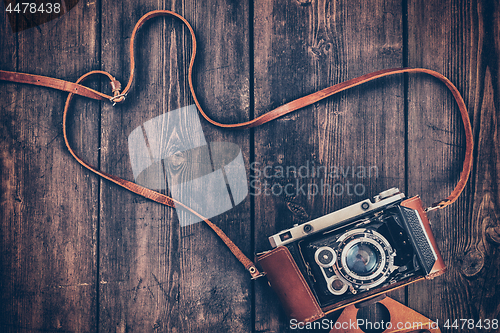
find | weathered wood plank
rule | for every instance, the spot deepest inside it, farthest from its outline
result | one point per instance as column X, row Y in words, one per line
column 459, row 39
column 48, row 203
column 301, row 47
column 156, row 275
column 62, row 230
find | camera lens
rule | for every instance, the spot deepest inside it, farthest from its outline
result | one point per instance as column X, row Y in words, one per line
column 366, row 258
column 362, row 259
column 325, row 257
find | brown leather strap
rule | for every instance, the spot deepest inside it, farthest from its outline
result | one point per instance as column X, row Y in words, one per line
column 317, row 96
column 77, row 88
column 39, row 80
column 150, row 194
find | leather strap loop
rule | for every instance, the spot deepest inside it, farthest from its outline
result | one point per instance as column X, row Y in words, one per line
column 77, row 88
column 317, row 96
column 150, row 194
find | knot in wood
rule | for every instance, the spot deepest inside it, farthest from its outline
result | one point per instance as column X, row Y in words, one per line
column 471, row 263
column 493, row 234
column 298, row 211
column 322, row 48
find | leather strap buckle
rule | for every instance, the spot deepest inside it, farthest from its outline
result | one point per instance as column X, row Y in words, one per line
column 118, row 98
column 438, row 205
column 76, row 88
column 430, row 209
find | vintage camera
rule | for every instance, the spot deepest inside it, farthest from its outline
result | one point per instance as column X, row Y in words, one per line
column 351, row 255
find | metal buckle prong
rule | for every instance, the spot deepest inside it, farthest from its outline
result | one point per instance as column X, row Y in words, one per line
column 112, row 99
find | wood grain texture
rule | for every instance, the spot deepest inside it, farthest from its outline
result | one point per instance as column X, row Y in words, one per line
column 304, row 48
column 48, row 206
column 81, row 255
column 155, row 275
column 460, row 40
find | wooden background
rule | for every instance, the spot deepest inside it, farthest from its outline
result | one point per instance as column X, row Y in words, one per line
column 78, row 254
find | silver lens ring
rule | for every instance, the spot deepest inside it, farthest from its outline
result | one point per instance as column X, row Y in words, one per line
column 366, row 258
column 325, row 257
column 363, row 254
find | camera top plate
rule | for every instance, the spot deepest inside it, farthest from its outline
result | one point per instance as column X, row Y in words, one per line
column 337, row 218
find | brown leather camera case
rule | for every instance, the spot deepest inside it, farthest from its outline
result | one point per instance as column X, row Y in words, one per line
column 297, row 298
